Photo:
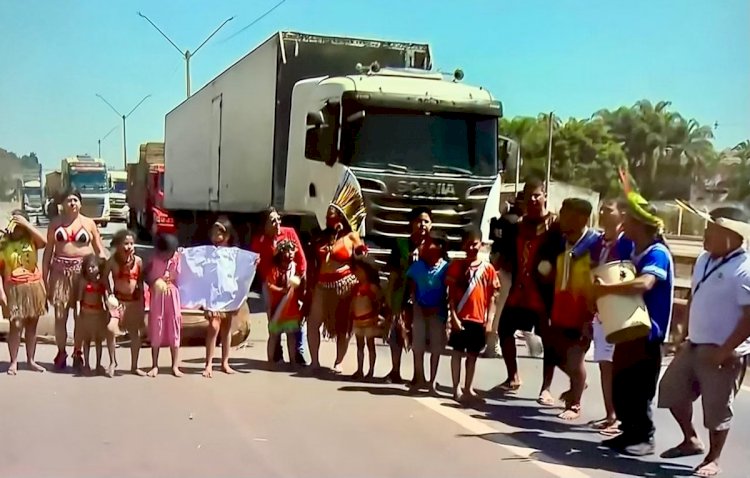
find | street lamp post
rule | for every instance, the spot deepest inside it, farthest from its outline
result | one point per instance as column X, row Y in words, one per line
column 123, row 117
column 99, row 141
column 186, row 55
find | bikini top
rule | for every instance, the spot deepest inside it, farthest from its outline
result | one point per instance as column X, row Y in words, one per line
column 95, row 288
column 339, row 252
column 131, row 273
column 64, row 234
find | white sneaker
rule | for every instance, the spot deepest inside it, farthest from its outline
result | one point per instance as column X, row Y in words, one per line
column 534, row 344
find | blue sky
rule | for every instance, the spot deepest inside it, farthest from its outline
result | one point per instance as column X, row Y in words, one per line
column 570, row 56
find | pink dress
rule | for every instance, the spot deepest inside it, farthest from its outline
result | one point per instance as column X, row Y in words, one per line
column 164, row 315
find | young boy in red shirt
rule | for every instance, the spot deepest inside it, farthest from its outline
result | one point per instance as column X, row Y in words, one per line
column 472, row 286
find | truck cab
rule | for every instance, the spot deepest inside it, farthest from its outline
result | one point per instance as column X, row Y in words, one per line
column 411, row 137
column 118, row 186
column 88, row 176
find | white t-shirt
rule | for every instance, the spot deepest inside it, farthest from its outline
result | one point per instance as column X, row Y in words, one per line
column 719, row 297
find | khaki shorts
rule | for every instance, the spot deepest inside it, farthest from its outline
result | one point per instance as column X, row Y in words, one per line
column 691, row 375
column 424, row 326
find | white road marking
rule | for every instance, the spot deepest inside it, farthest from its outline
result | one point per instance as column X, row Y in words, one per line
column 478, row 427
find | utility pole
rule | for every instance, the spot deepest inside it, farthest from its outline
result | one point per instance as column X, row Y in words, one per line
column 123, row 117
column 99, row 141
column 551, row 119
column 186, row 55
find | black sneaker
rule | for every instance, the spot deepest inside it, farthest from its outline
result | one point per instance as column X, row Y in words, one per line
column 618, row 443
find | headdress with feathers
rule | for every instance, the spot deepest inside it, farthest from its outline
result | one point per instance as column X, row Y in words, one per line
column 348, row 200
column 638, row 204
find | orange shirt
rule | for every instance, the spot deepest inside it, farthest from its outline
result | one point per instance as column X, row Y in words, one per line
column 458, row 277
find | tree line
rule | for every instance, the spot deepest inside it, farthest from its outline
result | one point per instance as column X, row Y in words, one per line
column 664, row 152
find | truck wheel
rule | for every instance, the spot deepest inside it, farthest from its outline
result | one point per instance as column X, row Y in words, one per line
column 103, row 224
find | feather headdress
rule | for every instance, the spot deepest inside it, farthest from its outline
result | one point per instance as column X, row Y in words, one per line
column 638, row 204
column 348, row 200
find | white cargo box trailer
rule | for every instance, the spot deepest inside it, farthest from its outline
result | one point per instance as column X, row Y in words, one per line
column 226, row 146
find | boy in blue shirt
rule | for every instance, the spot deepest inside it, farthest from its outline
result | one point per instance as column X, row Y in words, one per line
column 426, row 279
column 636, row 363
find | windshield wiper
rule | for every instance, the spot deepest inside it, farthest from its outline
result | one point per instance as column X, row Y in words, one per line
column 451, row 169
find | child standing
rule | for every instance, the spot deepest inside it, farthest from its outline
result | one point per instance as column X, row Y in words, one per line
column 428, row 294
column 365, row 313
column 92, row 317
column 165, row 311
column 472, row 286
column 220, row 323
column 285, row 289
column 126, row 270
column 22, row 294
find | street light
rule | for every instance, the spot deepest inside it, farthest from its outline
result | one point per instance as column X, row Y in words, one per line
column 186, row 55
column 99, row 141
column 124, row 117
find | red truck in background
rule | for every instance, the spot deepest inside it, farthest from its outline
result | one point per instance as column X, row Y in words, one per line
column 145, row 194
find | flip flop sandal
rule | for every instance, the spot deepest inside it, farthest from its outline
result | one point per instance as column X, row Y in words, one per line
column 677, row 452
column 612, row 431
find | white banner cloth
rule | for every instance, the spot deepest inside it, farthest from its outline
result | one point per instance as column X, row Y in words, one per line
column 216, row 278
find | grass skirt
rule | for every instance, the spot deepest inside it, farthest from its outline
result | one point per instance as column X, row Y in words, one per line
column 26, row 300
column 63, row 275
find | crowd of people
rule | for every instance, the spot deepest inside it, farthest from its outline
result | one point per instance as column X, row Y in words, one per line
column 540, row 280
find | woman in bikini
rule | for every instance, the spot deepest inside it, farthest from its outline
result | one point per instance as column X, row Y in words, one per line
column 333, row 281
column 127, row 276
column 70, row 237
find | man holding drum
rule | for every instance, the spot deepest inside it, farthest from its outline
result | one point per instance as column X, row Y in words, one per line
column 712, row 362
column 636, row 363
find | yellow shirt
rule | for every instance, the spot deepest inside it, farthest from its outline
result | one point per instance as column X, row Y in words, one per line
column 18, row 260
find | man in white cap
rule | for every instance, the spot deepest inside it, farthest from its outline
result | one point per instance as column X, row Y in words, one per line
column 711, row 363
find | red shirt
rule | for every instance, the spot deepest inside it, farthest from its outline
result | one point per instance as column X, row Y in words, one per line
column 266, row 247
column 475, row 308
column 278, row 278
column 524, row 292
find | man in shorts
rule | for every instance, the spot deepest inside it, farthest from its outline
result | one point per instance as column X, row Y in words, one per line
column 529, row 252
column 712, row 362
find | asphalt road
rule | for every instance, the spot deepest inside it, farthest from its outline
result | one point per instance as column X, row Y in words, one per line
column 264, row 422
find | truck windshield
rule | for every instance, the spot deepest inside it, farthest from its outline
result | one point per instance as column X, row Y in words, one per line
column 405, row 141
column 119, row 187
column 32, row 192
column 89, row 181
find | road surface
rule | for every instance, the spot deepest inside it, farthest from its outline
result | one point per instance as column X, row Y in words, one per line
column 263, row 422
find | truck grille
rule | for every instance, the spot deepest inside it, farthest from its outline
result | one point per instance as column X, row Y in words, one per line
column 388, row 213
column 117, row 203
column 92, row 207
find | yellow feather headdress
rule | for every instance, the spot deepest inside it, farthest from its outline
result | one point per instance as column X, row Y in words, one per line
column 348, row 200
column 638, row 204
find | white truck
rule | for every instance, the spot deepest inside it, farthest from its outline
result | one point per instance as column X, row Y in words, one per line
column 278, row 126
column 118, row 205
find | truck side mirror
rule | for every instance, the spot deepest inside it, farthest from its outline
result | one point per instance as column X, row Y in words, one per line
column 316, row 119
column 359, row 115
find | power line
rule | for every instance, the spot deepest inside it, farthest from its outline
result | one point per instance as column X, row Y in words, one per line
column 261, row 17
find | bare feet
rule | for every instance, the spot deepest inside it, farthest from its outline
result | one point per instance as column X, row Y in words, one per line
column 707, row 468
column 177, row 372
column 138, row 372
column 457, row 396
column 370, row 376
column 338, row 369
column 227, row 369
column 470, row 397
column 86, row 371
column 431, row 390
column 546, row 399
column 35, row 367
column 358, row 375
column 153, row 372
column 208, row 372
column 571, row 413
column 110, row 370
column 13, row 369
column 100, row 370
